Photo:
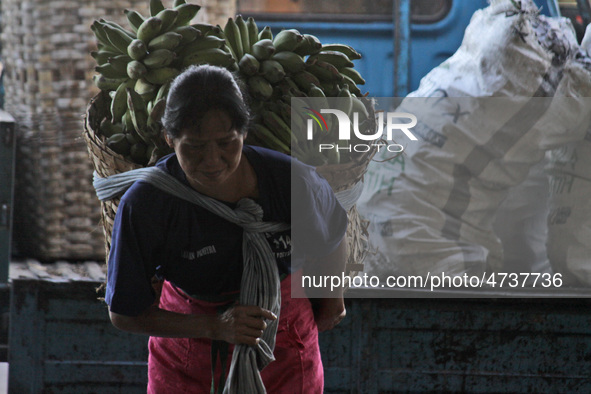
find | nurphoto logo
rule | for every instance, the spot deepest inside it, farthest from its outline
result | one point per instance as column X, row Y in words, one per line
column 394, row 121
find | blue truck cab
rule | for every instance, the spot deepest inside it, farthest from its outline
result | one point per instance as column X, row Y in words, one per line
column 422, row 33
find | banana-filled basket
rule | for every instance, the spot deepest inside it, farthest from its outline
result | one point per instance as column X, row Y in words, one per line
column 136, row 64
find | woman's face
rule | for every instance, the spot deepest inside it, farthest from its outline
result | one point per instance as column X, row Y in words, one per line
column 210, row 153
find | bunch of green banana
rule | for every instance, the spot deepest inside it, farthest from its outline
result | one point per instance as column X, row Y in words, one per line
column 135, row 66
column 277, row 68
column 139, row 62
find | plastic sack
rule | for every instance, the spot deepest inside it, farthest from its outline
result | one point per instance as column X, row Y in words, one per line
column 437, row 214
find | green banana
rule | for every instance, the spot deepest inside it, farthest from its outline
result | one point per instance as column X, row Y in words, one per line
column 117, row 38
column 119, row 62
column 145, row 89
column 274, row 122
column 162, row 91
column 137, row 49
column 308, row 46
column 316, row 91
column 101, row 37
column 157, row 110
column 249, row 65
column 244, row 34
column 208, row 29
column 162, row 75
column 200, row 44
column 168, row 17
column 159, row 58
column 348, row 50
column 266, row 34
column 272, row 70
column 186, row 14
column 321, row 101
column 344, row 99
column 263, row 49
column 109, row 71
column 188, row 34
column 253, row 31
column 330, row 88
column 352, row 85
column 134, row 18
column 155, row 7
column 119, row 101
column 204, row 28
column 136, row 69
column 217, row 31
column 304, row 80
column 324, row 71
column 118, row 144
column 127, row 123
column 284, row 110
column 298, row 125
column 270, row 139
column 287, row 40
column 117, row 26
column 353, row 74
column 149, row 29
column 259, row 87
column 359, row 107
column 286, row 89
column 213, row 56
column 139, row 113
column 288, row 83
column 337, row 59
column 107, row 84
column 169, row 40
column 291, row 62
column 106, row 128
column 232, row 33
column 153, row 126
column 102, row 55
column 178, row 3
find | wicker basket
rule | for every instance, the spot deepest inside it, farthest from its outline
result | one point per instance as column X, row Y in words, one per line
column 344, row 177
column 340, row 177
column 104, row 161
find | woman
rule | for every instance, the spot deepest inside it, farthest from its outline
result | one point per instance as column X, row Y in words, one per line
column 199, row 256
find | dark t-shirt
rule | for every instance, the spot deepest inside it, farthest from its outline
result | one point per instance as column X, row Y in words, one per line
column 158, row 233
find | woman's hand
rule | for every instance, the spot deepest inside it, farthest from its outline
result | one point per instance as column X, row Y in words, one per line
column 328, row 312
column 243, row 324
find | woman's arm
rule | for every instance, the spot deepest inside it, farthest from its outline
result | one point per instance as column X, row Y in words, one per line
column 329, row 309
column 241, row 324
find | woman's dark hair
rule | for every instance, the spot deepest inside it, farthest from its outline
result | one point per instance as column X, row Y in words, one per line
column 199, row 89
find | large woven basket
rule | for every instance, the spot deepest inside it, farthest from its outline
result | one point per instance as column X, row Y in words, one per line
column 343, row 177
column 106, row 162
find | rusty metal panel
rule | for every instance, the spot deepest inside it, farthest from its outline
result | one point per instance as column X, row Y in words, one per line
column 451, row 345
column 61, row 341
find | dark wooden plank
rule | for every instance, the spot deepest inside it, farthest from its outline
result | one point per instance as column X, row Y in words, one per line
column 61, row 341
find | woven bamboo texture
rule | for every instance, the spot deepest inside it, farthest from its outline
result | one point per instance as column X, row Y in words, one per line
column 105, row 162
column 48, row 72
column 47, row 77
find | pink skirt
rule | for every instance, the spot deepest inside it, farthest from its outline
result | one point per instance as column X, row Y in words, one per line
column 183, row 365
